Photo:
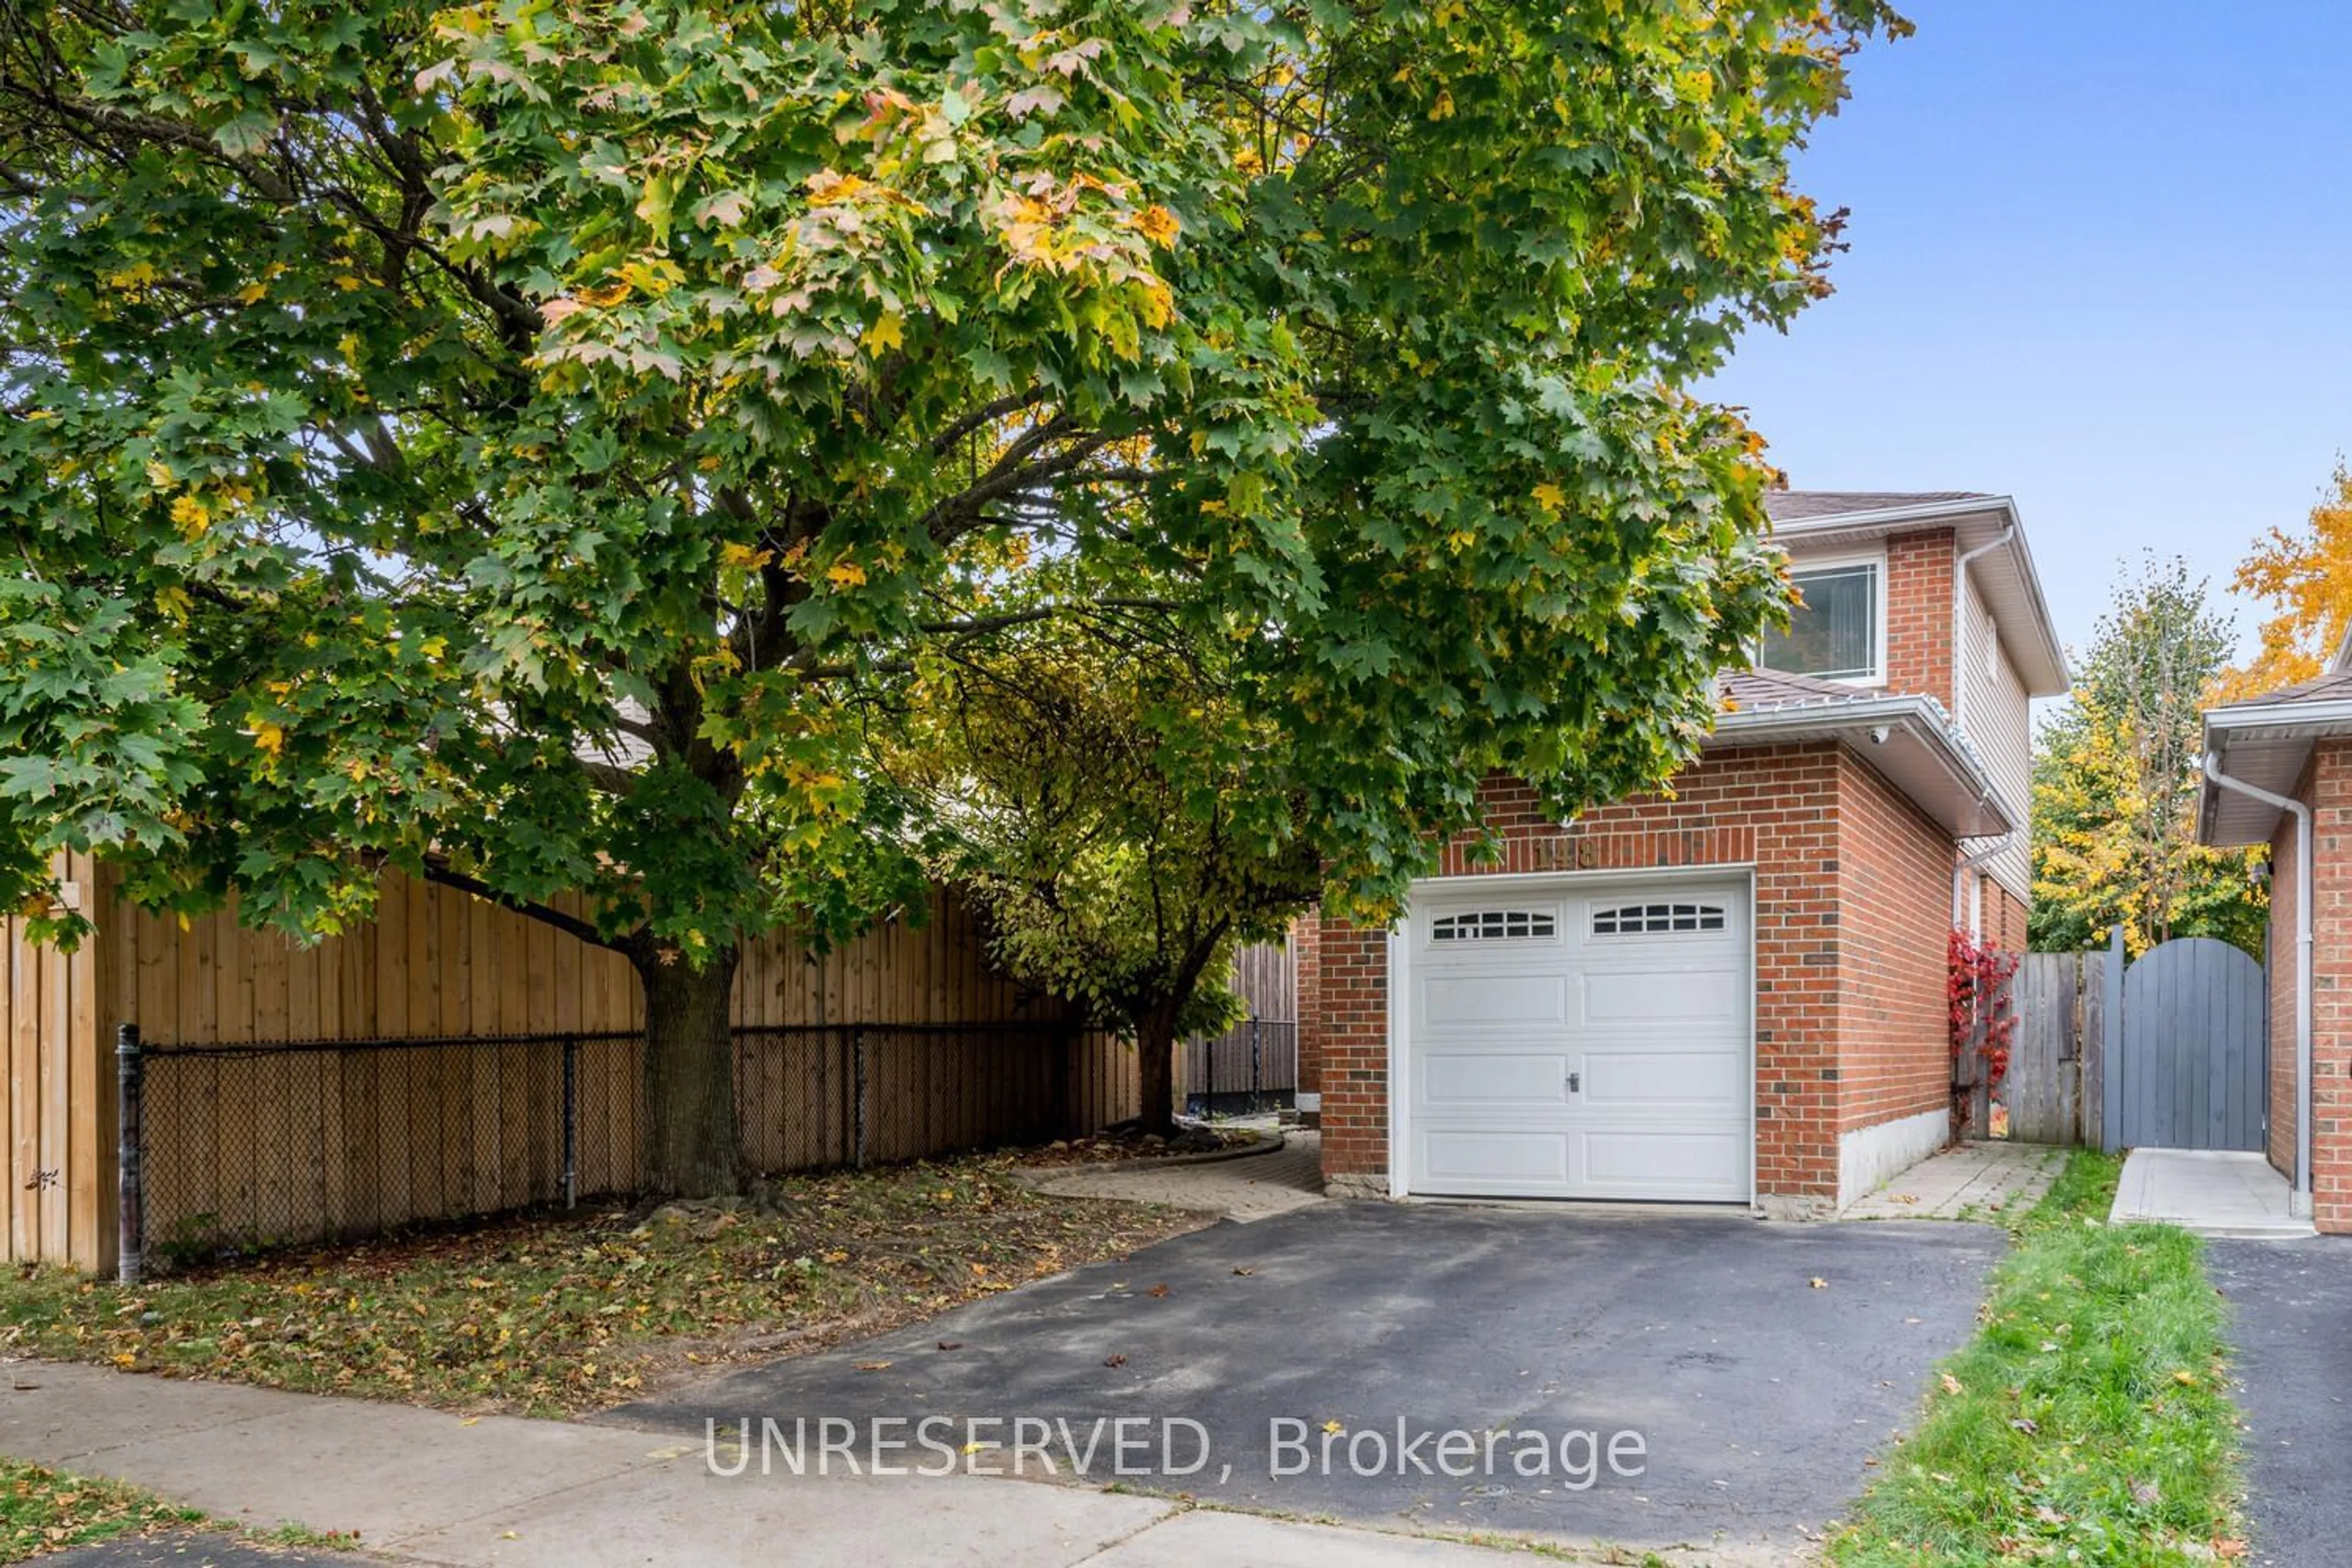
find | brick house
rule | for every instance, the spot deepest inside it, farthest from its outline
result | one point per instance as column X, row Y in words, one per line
column 1732, row 993
column 2279, row 773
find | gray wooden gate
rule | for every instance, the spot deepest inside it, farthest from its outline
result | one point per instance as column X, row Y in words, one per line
column 2191, row 1069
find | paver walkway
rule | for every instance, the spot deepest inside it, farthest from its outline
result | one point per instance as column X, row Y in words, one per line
column 1968, row 1181
column 1252, row 1188
column 423, row 1487
column 2209, row 1192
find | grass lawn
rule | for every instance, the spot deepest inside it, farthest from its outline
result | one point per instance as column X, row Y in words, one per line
column 2087, row 1423
column 47, row 1510
column 551, row 1314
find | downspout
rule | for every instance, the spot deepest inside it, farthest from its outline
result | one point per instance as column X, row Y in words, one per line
column 1960, row 871
column 2300, row 1205
column 1960, row 621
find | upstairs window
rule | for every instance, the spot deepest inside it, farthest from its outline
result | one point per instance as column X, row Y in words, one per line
column 1839, row 632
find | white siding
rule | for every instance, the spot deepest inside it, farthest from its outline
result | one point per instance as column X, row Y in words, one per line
column 1996, row 716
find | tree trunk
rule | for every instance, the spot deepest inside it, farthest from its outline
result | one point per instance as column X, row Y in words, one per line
column 690, row 1148
column 1155, row 1060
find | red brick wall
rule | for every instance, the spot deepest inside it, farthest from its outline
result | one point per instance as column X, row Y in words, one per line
column 2331, row 1023
column 1306, row 955
column 1781, row 809
column 2004, row 917
column 1354, row 962
column 1894, row 895
column 1919, row 615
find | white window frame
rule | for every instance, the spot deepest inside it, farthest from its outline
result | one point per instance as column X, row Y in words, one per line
column 1876, row 561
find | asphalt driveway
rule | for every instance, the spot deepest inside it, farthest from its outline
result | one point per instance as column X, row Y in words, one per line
column 1309, row 1354
column 2291, row 1321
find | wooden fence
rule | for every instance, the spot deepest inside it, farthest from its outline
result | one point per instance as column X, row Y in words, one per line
column 2052, row 1090
column 439, row 963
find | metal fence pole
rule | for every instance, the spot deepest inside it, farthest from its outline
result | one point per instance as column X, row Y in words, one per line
column 1256, row 1068
column 858, row 1098
column 130, row 1088
column 571, row 1121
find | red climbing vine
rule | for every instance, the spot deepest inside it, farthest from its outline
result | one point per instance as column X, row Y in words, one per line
column 1983, row 1017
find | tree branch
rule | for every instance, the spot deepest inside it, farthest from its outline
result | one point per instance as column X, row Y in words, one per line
column 572, row 925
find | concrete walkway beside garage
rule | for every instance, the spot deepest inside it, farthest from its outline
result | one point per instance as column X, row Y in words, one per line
column 1257, row 1186
column 2208, row 1191
column 1968, row 1181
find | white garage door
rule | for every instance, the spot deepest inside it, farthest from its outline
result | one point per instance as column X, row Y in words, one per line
column 1579, row 1040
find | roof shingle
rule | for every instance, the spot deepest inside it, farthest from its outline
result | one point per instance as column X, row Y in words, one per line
column 1804, row 506
column 2333, row 687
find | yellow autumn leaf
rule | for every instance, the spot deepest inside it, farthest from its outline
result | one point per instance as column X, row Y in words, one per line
column 745, row 556
column 887, row 332
column 192, row 515
column 160, row 474
column 1158, row 224
column 252, row 293
column 174, row 602
column 268, row 737
column 845, row 574
column 1443, row 108
column 1551, row 497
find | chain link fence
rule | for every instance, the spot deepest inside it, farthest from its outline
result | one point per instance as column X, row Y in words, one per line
column 245, row 1146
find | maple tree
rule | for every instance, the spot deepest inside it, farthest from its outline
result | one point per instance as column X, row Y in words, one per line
column 520, row 444
column 2307, row 575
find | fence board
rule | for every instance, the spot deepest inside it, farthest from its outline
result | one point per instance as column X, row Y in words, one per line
column 2091, row 1044
column 2043, row 1090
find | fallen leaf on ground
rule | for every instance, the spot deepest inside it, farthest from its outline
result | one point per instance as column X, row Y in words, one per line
column 1158, row 1290
column 1952, row 1385
column 1114, row 1361
column 872, row 1365
column 950, row 1344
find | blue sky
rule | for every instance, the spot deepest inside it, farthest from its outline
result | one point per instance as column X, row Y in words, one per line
column 2102, row 261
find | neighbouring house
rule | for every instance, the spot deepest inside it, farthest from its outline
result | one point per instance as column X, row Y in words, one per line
column 1734, row 992
column 453, row 1058
column 2279, row 773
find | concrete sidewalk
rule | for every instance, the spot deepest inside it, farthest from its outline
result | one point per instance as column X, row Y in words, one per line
column 2210, row 1192
column 425, row 1487
column 1286, row 1177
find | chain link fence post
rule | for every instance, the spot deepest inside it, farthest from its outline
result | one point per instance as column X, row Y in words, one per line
column 129, row 1179
column 858, row 1098
column 571, row 1121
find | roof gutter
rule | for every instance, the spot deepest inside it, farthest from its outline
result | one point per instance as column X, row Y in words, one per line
column 2300, row 1204
column 2316, row 717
